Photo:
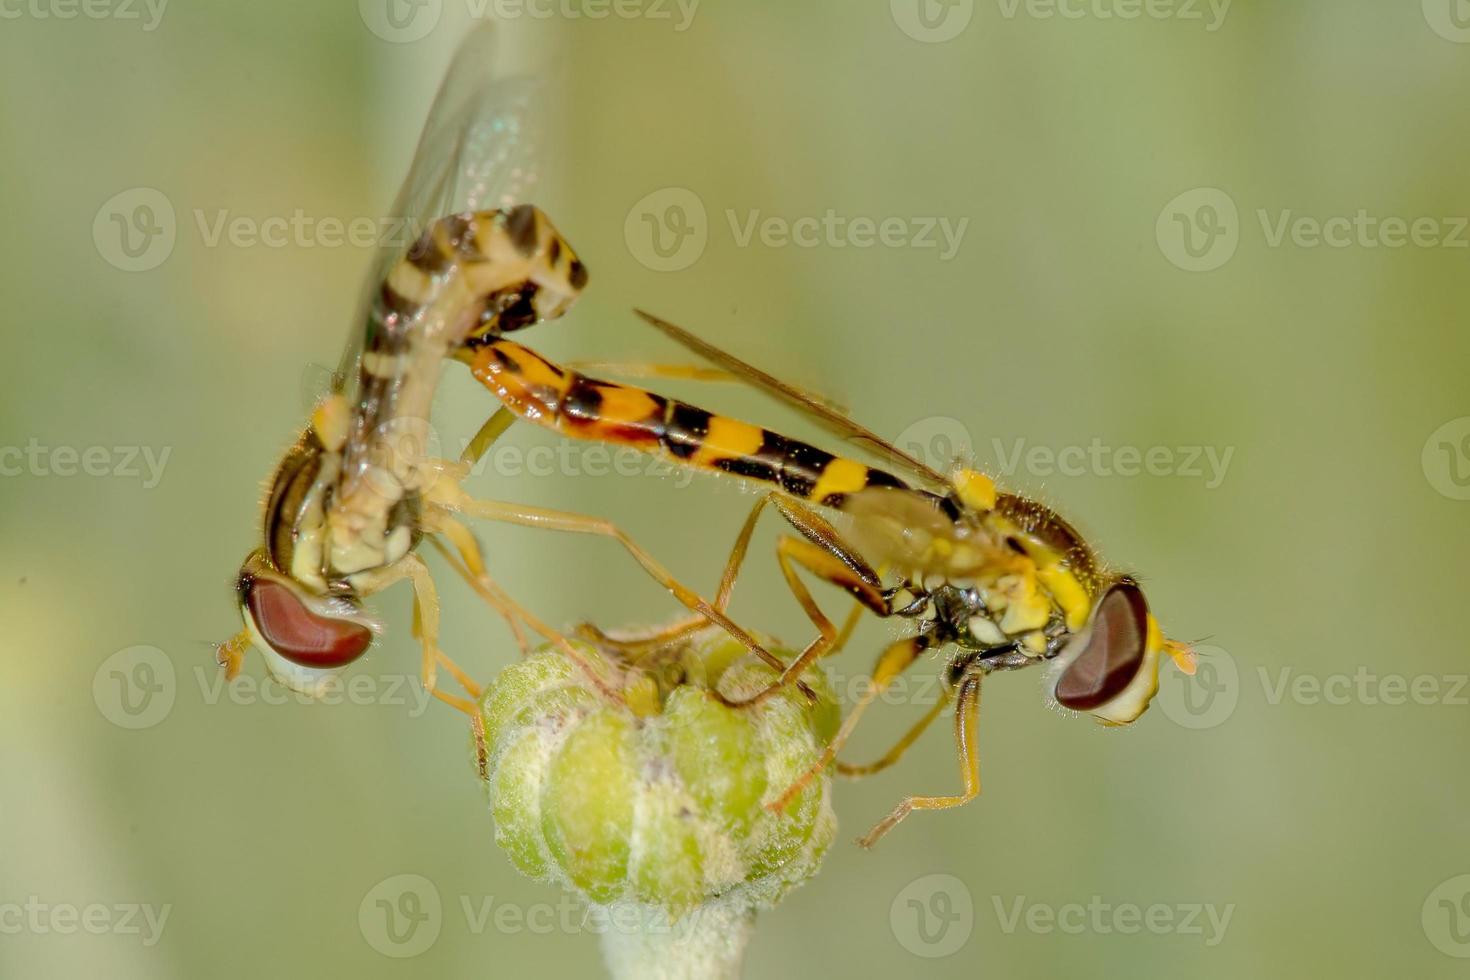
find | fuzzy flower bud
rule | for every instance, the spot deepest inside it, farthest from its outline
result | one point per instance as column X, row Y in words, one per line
column 659, row 803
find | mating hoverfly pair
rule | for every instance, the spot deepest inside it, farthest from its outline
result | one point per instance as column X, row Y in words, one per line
column 997, row 579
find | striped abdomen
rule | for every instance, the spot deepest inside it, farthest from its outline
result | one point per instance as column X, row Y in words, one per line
column 468, row 276
column 471, row 275
column 586, row 408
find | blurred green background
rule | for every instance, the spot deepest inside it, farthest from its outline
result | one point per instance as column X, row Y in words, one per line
column 1124, row 280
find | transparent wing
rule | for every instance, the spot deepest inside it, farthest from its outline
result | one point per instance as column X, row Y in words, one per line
column 897, row 528
column 821, row 411
column 477, row 151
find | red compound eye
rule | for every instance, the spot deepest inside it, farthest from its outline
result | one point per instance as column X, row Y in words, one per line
column 300, row 635
column 1113, row 653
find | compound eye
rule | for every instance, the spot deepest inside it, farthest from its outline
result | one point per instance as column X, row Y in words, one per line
column 1112, row 650
column 300, row 635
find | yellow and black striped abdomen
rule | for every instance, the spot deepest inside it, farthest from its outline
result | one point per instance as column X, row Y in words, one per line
column 586, row 408
column 468, row 277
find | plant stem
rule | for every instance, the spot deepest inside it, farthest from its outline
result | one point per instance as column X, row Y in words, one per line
column 707, row 943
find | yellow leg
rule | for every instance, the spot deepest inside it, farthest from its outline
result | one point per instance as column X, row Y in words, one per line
column 891, row 662
column 494, row 427
column 900, row 747
column 679, row 630
column 821, row 552
column 539, row 517
column 789, row 551
column 426, row 623
column 474, row 567
column 489, row 590
column 426, row 614
column 966, row 737
column 444, row 499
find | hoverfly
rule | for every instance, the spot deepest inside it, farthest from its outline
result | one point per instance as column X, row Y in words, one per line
column 999, row 579
column 353, row 497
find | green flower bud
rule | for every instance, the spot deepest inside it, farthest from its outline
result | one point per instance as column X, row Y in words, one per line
column 661, row 802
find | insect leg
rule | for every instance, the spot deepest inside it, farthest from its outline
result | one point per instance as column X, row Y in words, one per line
column 901, row 746
column 819, row 550
column 471, row 568
column 493, row 429
column 682, row 629
column 527, row 516
column 474, row 568
column 426, row 620
column 966, row 737
column 894, row 660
